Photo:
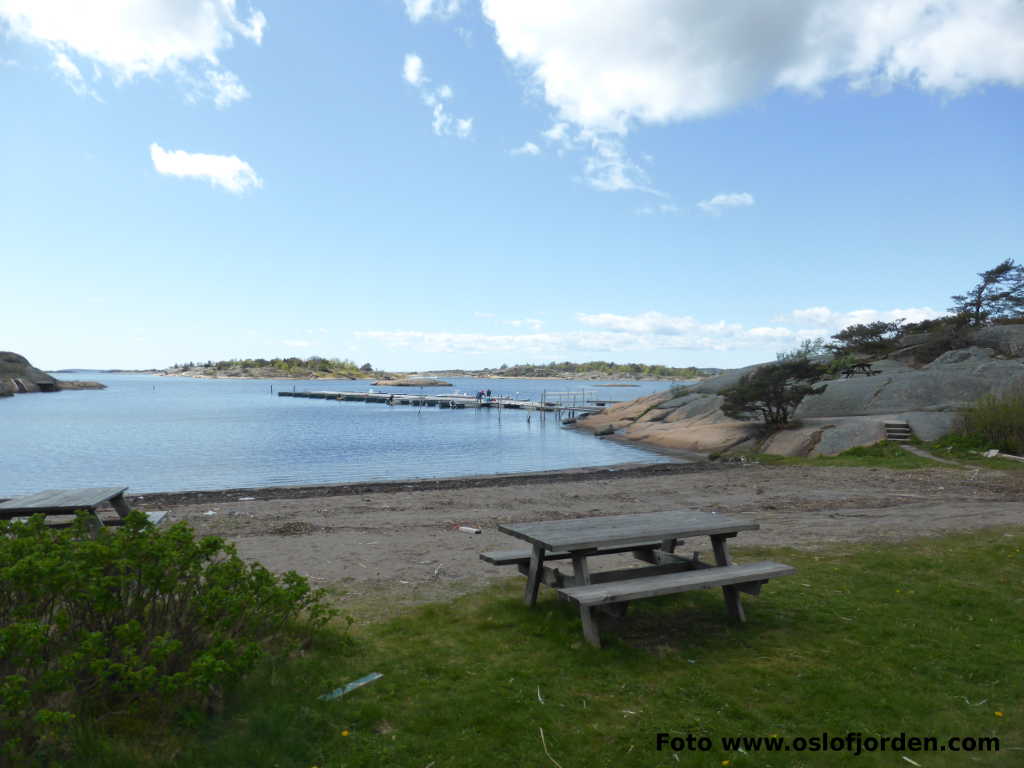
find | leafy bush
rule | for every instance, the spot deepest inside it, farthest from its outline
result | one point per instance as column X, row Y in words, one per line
column 131, row 621
column 959, row 446
column 997, row 421
column 806, row 348
column 840, row 363
column 884, row 449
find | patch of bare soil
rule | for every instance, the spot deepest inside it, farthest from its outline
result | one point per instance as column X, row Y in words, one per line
column 403, row 539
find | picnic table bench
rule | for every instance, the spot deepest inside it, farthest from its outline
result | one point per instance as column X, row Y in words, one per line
column 69, row 501
column 651, row 538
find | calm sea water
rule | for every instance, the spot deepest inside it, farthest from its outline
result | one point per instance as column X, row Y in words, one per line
column 157, row 433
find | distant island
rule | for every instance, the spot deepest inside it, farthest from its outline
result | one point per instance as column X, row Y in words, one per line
column 275, row 368
column 333, row 368
column 594, row 370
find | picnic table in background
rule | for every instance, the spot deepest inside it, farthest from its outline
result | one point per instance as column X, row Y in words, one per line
column 861, row 368
column 70, row 501
column 652, row 538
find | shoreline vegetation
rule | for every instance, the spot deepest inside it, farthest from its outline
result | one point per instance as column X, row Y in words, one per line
column 333, row 368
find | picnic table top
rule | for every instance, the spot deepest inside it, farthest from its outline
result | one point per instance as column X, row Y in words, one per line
column 58, row 501
column 590, row 532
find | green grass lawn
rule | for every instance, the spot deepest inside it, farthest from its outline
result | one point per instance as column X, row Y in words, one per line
column 923, row 638
column 889, row 455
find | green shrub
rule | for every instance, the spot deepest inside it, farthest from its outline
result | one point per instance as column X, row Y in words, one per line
column 131, row 621
column 883, row 449
column 997, row 421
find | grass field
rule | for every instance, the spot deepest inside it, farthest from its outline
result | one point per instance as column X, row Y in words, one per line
column 890, row 455
column 922, row 638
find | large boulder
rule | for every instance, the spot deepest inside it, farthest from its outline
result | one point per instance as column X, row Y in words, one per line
column 18, row 375
column 952, row 382
column 1007, row 340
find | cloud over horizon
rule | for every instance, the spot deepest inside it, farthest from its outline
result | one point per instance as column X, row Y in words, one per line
column 608, row 333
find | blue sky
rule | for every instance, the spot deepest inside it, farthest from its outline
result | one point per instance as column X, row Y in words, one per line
column 434, row 183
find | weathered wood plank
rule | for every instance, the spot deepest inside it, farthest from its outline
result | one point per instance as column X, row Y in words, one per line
column 517, row 556
column 60, row 501
column 625, row 529
column 533, row 575
column 654, row 586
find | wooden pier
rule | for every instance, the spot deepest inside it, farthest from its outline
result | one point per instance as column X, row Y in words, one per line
column 453, row 401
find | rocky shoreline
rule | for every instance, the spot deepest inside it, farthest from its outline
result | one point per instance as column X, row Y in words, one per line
column 19, row 376
column 852, row 411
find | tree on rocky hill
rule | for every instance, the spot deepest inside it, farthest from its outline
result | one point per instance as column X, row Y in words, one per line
column 866, row 338
column 1000, row 294
column 774, row 390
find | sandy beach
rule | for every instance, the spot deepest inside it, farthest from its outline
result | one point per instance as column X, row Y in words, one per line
column 401, row 540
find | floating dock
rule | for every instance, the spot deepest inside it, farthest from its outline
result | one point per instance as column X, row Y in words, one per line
column 452, row 401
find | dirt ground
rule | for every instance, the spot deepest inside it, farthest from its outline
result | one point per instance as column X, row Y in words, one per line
column 400, row 541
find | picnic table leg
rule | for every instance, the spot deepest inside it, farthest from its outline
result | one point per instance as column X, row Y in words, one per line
column 533, row 575
column 120, row 505
column 731, row 594
column 581, row 575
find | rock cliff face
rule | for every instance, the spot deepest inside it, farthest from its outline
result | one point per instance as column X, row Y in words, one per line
column 850, row 412
column 17, row 375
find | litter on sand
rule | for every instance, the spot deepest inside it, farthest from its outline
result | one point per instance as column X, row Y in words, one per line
column 337, row 693
column 469, row 529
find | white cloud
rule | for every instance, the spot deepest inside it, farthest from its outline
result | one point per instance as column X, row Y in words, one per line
column 412, row 70
column 558, row 132
column 730, row 200
column 443, row 124
column 609, row 168
column 73, row 75
column 664, row 208
column 607, row 63
column 417, row 10
column 643, row 332
column 533, row 323
column 298, row 343
column 132, row 38
column 227, row 88
column 227, row 172
column 528, row 148
column 828, row 320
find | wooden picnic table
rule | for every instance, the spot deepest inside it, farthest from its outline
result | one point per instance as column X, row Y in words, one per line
column 652, row 538
column 861, row 368
column 69, row 501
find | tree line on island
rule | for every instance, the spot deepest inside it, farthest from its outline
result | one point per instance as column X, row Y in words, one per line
column 592, row 369
column 278, row 366
column 322, row 367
